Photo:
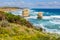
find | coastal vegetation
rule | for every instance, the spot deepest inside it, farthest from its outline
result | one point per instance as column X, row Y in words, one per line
column 15, row 27
column 14, row 19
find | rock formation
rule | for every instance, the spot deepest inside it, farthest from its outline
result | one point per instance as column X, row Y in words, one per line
column 25, row 13
column 40, row 15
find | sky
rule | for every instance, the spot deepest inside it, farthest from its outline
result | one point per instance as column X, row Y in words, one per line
column 31, row 3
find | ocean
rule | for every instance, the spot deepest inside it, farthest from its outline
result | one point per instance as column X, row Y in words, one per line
column 50, row 21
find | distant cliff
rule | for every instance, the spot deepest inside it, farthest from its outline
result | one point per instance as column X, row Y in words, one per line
column 7, row 9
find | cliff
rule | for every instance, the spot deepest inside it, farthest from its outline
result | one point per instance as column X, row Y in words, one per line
column 7, row 9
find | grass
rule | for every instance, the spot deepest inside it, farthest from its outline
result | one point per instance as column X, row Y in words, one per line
column 18, row 32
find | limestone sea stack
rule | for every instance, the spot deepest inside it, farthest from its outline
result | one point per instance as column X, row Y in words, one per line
column 25, row 12
column 40, row 15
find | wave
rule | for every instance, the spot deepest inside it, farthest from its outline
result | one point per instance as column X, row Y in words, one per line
column 46, row 17
column 49, row 30
column 51, row 17
column 53, row 31
column 55, row 16
column 55, row 21
column 46, row 29
column 34, row 17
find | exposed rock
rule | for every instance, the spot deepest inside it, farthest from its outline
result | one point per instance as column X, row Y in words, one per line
column 25, row 13
column 40, row 15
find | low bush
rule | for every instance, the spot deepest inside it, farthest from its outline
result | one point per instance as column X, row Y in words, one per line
column 4, row 23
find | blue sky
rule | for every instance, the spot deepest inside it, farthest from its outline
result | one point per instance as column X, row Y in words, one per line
column 31, row 3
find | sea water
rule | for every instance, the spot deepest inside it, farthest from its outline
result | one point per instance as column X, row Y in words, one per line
column 50, row 21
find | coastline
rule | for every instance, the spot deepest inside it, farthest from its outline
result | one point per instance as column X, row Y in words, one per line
column 50, row 20
column 16, row 27
column 34, row 17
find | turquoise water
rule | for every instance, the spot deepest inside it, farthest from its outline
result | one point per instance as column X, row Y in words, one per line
column 50, row 21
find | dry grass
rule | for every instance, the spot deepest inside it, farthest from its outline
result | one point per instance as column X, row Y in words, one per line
column 18, row 32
